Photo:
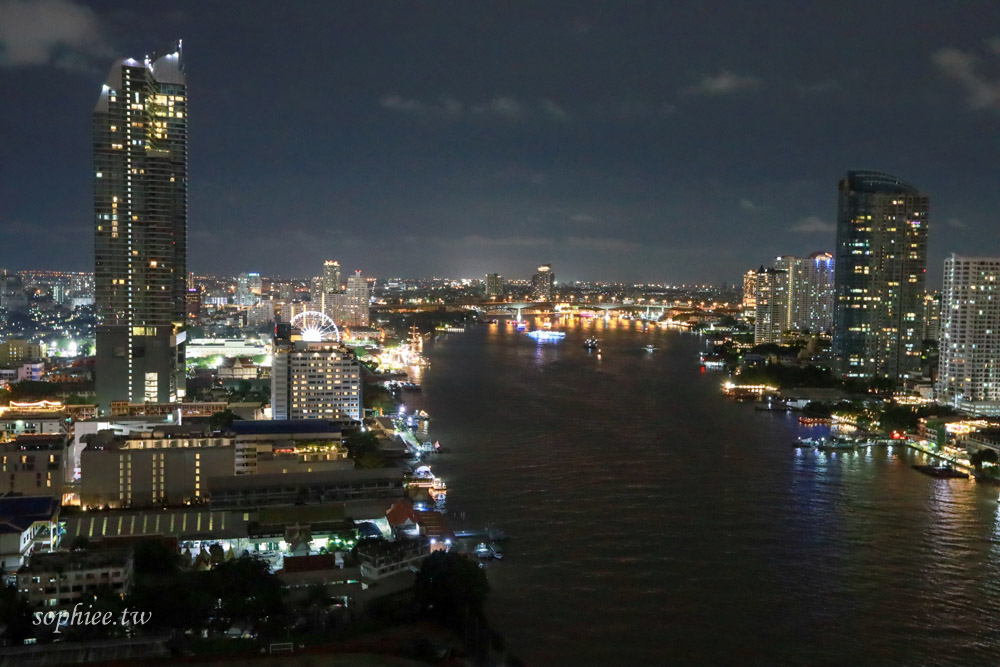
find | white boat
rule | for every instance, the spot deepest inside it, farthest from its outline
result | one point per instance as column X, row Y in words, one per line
column 483, row 550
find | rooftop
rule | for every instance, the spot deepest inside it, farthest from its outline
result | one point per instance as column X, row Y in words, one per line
column 353, row 475
column 19, row 512
column 866, row 180
column 285, row 427
column 184, row 524
column 76, row 560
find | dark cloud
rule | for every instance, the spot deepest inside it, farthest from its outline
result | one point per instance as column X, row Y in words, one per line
column 649, row 141
column 982, row 90
column 813, row 224
column 50, row 32
column 725, row 83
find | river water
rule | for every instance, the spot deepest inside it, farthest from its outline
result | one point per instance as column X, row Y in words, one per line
column 653, row 521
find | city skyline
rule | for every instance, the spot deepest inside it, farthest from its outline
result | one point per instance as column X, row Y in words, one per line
column 695, row 154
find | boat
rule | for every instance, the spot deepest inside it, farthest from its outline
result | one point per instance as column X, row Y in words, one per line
column 833, row 444
column 836, row 444
column 497, row 552
column 483, row 550
column 545, row 335
column 590, row 344
column 944, row 472
column 650, row 348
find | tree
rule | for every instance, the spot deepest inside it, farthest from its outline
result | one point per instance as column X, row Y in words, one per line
column 452, row 587
column 898, row 418
column 246, row 593
column 982, row 456
column 15, row 615
column 179, row 601
column 364, row 450
column 817, row 410
column 33, row 390
column 377, row 396
column 155, row 558
column 221, row 420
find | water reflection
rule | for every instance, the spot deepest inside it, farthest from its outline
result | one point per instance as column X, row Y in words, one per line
column 652, row 520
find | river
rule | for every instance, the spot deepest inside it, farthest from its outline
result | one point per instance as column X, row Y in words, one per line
column 653, row 521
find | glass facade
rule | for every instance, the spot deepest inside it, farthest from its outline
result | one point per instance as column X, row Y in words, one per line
column 140, row 230
column 879, row 274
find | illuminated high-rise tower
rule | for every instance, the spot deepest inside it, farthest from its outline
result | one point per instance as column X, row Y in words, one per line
column 331, row 276
column 140, row 229
column 879, row 276
column 969, row 366
column 810, row 291
column 494, row 286
column 543, row 283
column 771, row 305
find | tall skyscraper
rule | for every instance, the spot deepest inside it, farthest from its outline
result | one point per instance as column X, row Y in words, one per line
column 810, row 291
column 317, row 297
column 248, row 289
column 543, row 283
column 750, row 292
column 358, row 300
column 331, row 276
column 969, row 364
column 140, row 225
column 771, row 305
column 932, row 316
column 326, row 294
column 879, row 274
column 494, row 286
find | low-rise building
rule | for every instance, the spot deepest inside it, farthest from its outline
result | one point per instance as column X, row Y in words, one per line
column 202, row 409
column 288, row 446
column 16, row 422
column 167, row 466
column 34, row 464
column 27, row 523
column 294, row 488
column 987, row 438
column 32, row 370
column 15, row 350
column 62, row 579
column 238, row 368
column 379, row 559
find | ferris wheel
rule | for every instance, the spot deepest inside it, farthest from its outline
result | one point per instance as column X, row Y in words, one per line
column 315, row 326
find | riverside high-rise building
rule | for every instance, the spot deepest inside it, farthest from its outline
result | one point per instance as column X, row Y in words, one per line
column 880, row 267
column 750, row 291
column 969, row 346
column 771, row 305
column 810, row 291
column 315, row 380
column 543, row 283
column 140, row 229
column 494, row 286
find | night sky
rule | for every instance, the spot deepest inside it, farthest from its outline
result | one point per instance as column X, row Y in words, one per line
column 638, row 141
